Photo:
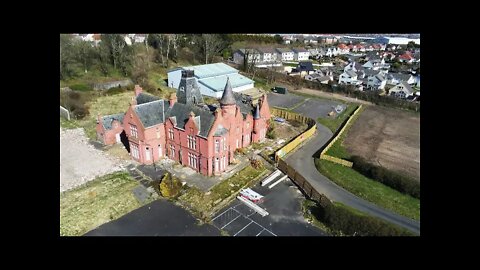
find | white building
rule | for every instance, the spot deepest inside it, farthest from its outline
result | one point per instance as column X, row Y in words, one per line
column 267, row 54
column 285, row 54
column 377, row 82
column 401, row 90
column 253, row 55
column 211, row 78
column 300, row 54
column 349, row 77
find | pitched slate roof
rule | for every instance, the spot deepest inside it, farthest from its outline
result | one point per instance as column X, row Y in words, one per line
column 151, row 113
column 306, row 66
column 245, row 108
column 371, row 72
column 181, row 112
column 351, row 73
column 399, row 76
column 144, row 98
column 297, row 50
column 108, row 119
column 284, row 50
column 266, row 50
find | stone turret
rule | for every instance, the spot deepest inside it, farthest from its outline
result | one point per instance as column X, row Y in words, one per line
column 188, row 91
column 227, row 102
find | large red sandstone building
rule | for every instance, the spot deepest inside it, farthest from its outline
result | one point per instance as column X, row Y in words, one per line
column 186, row 130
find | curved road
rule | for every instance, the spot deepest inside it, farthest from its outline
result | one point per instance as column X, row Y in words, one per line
column 302, row 161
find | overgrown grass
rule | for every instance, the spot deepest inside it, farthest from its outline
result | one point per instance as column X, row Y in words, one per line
column 334, row 123
column 64, row 123
column 202, row 204
column 103, row 105
column 369, row 189
column 104, row 199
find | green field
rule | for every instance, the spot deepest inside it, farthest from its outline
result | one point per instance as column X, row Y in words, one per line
column 102, row 200
column 334, row 123
column 370, row 190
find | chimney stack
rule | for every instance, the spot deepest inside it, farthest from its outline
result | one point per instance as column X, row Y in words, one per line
column 172, row 99
column 138, row 90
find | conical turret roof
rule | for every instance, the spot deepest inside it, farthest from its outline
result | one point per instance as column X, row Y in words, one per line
column 227, row 97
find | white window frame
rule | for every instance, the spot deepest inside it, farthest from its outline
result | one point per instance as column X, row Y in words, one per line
column 171, row 134
column 133, row 131
column 217, row 145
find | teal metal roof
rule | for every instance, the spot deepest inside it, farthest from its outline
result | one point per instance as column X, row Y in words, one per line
column 218, row 83
column 210, row 70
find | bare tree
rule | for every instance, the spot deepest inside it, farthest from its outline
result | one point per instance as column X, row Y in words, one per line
column 213, row 44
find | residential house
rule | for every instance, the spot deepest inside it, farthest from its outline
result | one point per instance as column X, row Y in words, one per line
column 401, row 90
column 343, row 49
column 267, row 55
column 253, row 55
column 305, row 68
column 396, row 78
column 285, row 54
column 183, row 129
column 375, row 64
column 354, row 66
column 407, row 57
column 211, row 78
column 349, row 77
column 300, row 54
column 376, row 82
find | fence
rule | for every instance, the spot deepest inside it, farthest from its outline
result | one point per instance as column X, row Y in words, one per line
column 334, row 159
column 312, row 127
column 64, row 113
column 301, row 182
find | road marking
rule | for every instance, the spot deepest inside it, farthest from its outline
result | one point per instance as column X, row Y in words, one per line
column 260, row 232
column 280, row 180
column 230, row 221
column 243, row 228
column 221, row 214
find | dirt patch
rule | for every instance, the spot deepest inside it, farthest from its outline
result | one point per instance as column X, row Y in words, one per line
column 387, row 137
column 80, row 162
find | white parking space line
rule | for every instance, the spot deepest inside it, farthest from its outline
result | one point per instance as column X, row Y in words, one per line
column 243, row 228
column 231, row 221
column 260, row 232
column 220, row 214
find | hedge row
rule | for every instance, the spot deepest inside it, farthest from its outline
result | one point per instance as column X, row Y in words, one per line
column 389, row 178
column 341, row 218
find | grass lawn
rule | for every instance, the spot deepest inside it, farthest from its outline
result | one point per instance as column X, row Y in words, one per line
column 334, row 123
column 203, row 205
column 104, row 199
column 68, row 124
column 370, row 190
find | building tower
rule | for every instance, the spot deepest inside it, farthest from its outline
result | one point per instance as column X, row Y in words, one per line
column 227, row 102
column 188, row 91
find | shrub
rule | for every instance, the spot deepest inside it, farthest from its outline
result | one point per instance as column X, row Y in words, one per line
column 389, row 178
column 241, row 151
column 341, row 218
column 256, row 163
column 170, row 186
column 295, row 123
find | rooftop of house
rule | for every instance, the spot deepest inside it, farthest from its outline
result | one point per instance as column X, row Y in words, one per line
column 284, row 50
column 144, row 98
column 351, row 73
column 107, row 120
column 305, row 66
column 298, row 50
column 266, row 50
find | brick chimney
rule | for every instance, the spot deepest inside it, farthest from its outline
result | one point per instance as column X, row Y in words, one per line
column 133, row 102
column 138, row 90
column 172, row 99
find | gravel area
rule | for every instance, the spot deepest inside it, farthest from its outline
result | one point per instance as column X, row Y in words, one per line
column 80, row 162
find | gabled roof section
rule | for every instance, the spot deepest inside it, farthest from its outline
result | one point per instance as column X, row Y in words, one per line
column 351, row 73
column 181, row 112
column 151, row 113
column 145, row 98
column 108, row 119
column 220, row 131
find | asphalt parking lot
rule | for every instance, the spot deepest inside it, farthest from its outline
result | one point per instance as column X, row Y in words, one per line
column 283, row 101
column 315, row 108
column 285, row 218
column 311, row 107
